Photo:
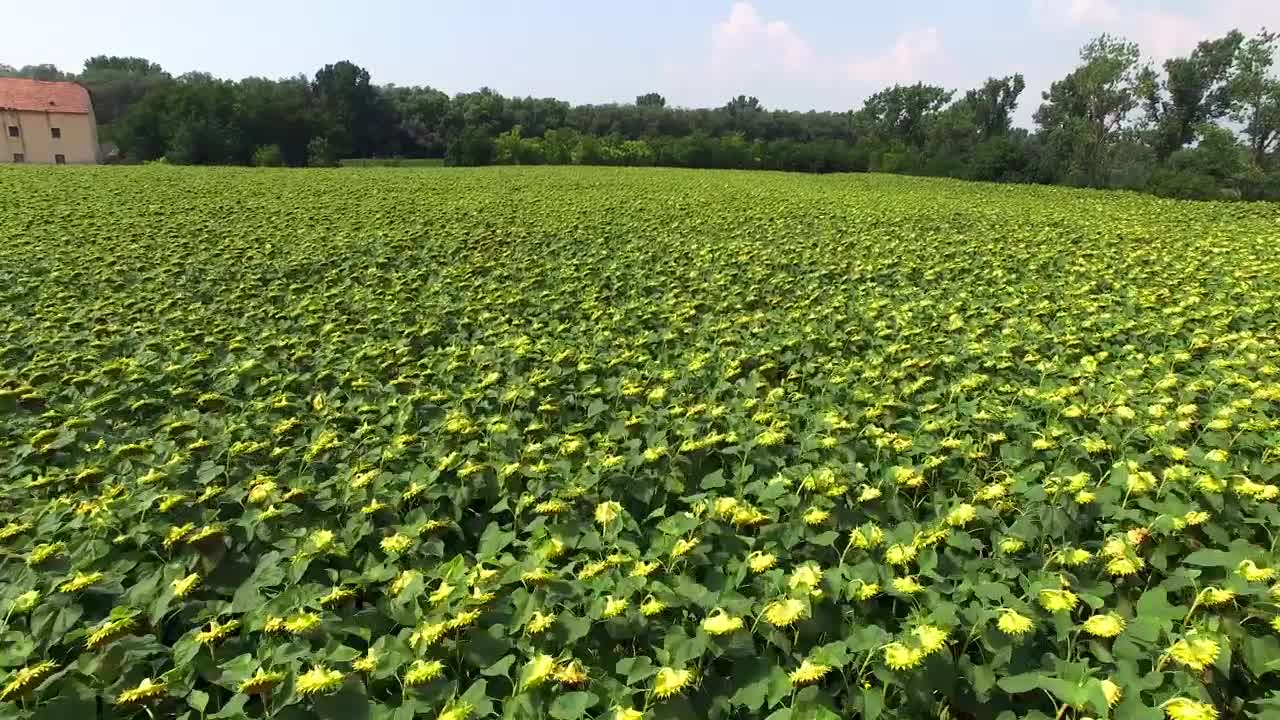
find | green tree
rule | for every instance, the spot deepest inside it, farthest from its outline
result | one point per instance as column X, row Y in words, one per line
column 1256, row 97
column 1195, row 90
column 117, row 83
column 903, row 114
column 652, row 100
column 354, row 117
column 1084, row 113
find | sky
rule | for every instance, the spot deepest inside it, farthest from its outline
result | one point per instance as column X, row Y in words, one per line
column 796, row 54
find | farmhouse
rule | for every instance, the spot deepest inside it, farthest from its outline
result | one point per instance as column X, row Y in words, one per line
column 46, row 122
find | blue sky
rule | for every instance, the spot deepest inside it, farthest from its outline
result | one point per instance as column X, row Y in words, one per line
column 823, row 54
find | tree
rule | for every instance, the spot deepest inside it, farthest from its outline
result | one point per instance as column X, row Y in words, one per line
column 993, row 104
column 1256, row 97
column 116, row 83
column 652, row 99
column 1084, row 113
column 354, row 117
column 902, row 114
column 422, row 115
column 114, row 63
column 1196, row 89
column 35, row 72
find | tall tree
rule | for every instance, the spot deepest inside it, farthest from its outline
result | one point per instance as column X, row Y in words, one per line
column 652, row 99
column 1196, row 89
column 1256, row 96
column 993, row 104
column 116, row 83
column 356, row 119
column 1083, row 113
column 903, row 113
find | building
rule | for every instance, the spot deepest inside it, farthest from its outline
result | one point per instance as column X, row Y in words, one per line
column 46, row 122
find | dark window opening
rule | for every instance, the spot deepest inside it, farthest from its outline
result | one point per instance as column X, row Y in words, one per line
column 60, row 159
column 19, row 157
column 57, row 133
column 13, row 131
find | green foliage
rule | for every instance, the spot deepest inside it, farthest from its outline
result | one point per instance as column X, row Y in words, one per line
column 571, row 442
column 392, row 162
column 268, row 156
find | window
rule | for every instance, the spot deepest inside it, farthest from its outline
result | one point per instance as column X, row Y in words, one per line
column 19, row 157
column 57, row 133
column 13, row 131
column 60, row 159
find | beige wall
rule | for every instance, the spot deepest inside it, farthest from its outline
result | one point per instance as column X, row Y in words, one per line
column 79, row 141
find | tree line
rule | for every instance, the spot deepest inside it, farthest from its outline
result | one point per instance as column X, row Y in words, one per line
column 1202, row 125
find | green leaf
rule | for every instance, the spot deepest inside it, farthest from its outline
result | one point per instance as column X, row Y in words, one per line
column 636, row 669
column 349, row 703
column 572, row 706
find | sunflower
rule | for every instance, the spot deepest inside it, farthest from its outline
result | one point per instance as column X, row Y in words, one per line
column 539, row 623
column 720, row 622
column 669, row 682
column 962, row 515
column 441, row 593
column 1013, row 623
column 1112, row 692
column 396, row 543
column 143, row 692
column 1181, row 708
column 1011, row 546
column 614, row 607
column 1104, row 625
column 806, row 578
column 808, row 673
column 109, row 631
column 26, row 602
column 402, row 582
column 463, row 619
column 1214, row 597
column 319, row 680
column 1250, row 571
column 784, row 613
column 900, row 657
column 1057, row 601
column 302, row 623
column 80, row 581
column 815, row 516
column 759, row 561
column 571, row 674
column 422, row 672
column 456, row 711
column 537, row 671
column 907, row 585
column 643, row 569
column 899, row 554
column 26, row 678
column 427, row 634
column 931, row 638
column 1195, row 651
column 1124, row 566
column 607, row 512
column 368, row 663
column 182, row 587
column 863, row 590
column 621, row 713
column 337, row 596
column 652, row 606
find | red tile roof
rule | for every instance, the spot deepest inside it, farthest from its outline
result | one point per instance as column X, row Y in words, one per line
column 40, row 96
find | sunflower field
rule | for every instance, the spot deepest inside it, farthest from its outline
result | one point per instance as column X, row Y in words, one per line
column 620, row 444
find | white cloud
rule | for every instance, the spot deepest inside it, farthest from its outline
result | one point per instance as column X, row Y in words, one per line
column 745, row 37
column 1160, row 32
column 769, row 58
column 906, row 62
